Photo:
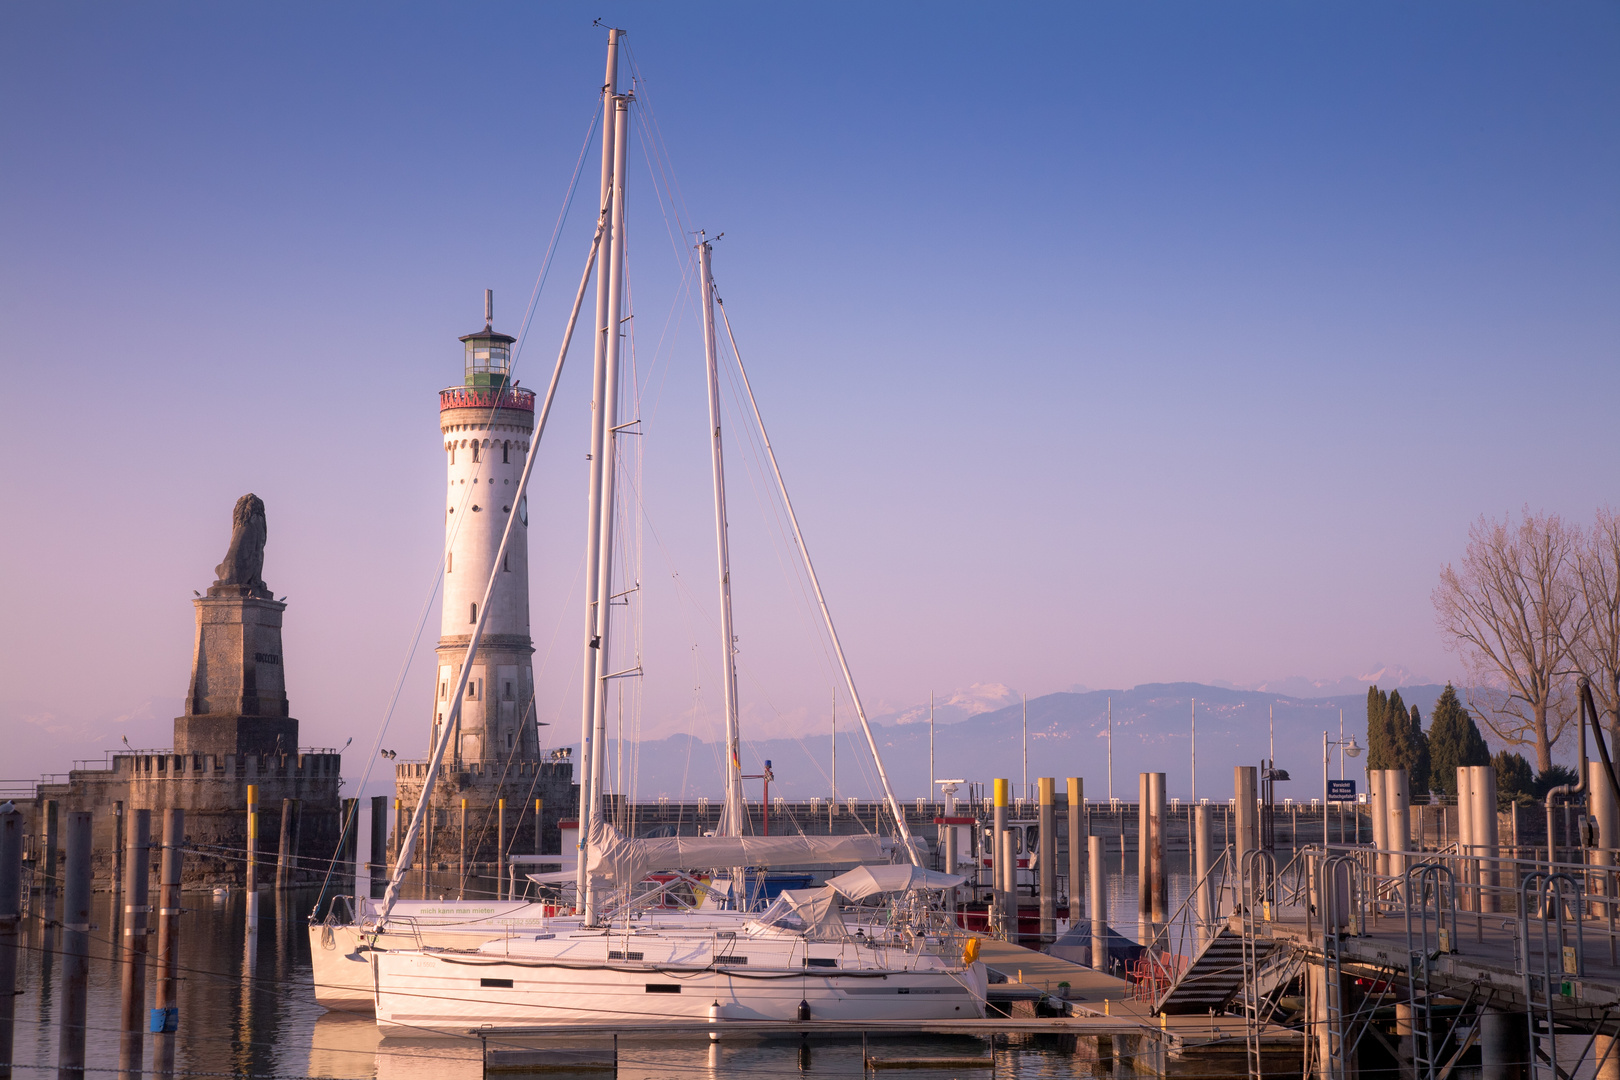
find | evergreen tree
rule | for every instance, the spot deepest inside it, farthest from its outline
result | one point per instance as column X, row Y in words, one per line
column 1377, row 741
column 1550, row 777
column 1514, row 780
column 1395, row 739
column 1454, row 740
column 1417, row 758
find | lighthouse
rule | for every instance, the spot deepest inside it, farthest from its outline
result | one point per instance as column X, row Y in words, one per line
column 499, row 799
column 486, row 423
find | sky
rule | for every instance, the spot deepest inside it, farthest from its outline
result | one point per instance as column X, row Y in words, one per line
column 1100, row 344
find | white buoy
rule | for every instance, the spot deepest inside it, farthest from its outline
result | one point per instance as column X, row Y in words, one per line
column 716, row 1014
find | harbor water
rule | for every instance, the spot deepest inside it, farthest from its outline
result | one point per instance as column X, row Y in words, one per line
column 247, row 1009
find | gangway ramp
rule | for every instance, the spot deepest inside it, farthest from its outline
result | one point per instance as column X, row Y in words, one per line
column 1215, row 976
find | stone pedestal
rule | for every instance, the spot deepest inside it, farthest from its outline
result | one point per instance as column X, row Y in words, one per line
column 237, row 700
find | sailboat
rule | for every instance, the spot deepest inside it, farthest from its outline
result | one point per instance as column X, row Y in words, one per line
column 869, row 944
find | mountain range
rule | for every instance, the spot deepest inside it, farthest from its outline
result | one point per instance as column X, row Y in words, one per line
column 1068, row 735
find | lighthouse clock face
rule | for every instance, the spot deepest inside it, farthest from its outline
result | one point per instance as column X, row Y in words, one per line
column 523, row 509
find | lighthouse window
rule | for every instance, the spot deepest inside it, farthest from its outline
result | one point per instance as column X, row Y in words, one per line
column 509, row 740
column 508, row 691
column 506, row 562
column 449, row 562
column 474, row 617
column 475, row 451
column 506, row 453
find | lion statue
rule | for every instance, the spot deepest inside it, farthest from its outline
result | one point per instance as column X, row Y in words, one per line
column 244, row 559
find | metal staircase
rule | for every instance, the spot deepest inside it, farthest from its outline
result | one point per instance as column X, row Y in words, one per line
column 1216, row 974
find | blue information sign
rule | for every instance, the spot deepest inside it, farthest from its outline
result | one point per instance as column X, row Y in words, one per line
column 1341, row 791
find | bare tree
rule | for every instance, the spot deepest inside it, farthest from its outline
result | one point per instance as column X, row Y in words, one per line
column 1596, row 651
column 1512, row 610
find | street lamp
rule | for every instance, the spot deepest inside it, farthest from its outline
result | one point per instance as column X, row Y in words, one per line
column 1346, row 746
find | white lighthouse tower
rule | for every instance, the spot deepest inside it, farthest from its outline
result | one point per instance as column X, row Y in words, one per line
column 487, row 424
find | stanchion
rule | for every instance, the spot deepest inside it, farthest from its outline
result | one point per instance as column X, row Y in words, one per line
column 378, row 866
column 1077, row 854
column 166, row 1011
column 131, row 1045
column 11, row 846
column 51, row 883
column 284, row 845
column 252, row 863
column 75, row 949
column 1099, row 905
column 1048, row 860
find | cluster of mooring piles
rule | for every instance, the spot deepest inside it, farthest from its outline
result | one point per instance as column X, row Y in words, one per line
column 1423, row 938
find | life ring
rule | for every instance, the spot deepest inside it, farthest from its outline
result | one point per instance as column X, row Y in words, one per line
column 970, row 951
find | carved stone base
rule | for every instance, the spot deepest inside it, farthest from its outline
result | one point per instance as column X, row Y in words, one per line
column 235, row 735
column 237, row 701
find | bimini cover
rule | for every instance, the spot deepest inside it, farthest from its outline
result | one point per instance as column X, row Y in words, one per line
column 811, row 912
column 864, row 881
column 616, row 862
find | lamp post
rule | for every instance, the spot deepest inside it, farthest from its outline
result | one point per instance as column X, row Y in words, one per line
column 1346, row 746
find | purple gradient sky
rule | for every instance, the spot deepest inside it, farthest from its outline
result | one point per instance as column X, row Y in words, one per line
column 1102, row 344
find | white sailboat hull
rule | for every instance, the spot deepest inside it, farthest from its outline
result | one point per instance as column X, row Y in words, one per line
column 451, row 993
column 340, row 953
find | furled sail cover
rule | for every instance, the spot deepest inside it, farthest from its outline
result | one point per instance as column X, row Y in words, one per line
column 864, row 881
column 615, row 861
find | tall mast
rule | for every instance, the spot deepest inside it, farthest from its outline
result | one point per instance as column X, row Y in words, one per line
column 833, row 808
column 731, row 823
column 610, row 425
column 930, row 746
column 587, row 722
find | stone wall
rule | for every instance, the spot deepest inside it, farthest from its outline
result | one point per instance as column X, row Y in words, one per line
column 482, row 786
column 212, row 790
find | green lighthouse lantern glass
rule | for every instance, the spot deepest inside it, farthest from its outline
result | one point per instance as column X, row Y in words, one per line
column 489, row 359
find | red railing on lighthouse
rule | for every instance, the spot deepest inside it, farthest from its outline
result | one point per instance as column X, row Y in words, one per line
column 481, row 397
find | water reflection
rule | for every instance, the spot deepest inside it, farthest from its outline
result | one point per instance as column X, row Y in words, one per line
column 247, row 1008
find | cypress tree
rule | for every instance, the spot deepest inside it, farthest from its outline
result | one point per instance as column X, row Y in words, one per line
column 1395, row 739
column 1454, row 740
column 1514, row 780
column 1377, row 742
column 1417, row 759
